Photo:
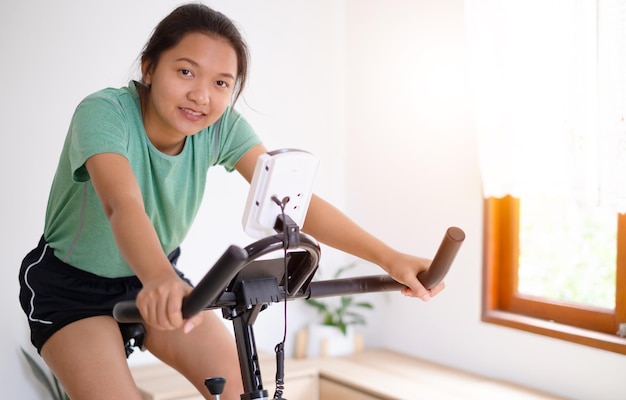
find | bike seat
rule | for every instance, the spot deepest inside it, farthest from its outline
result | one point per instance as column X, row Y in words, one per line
column 133, row 335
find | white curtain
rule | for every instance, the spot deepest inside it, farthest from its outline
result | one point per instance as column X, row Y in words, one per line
column 549, row 79
column 612, row 101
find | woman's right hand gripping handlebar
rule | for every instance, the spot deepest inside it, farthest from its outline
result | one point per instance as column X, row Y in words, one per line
column 160, row 300
column 160, row 303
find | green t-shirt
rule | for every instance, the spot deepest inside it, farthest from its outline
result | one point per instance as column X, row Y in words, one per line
column 76, row 226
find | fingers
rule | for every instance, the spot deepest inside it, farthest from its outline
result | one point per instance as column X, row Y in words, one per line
column 192, row 323
column 423, row 293
column 159, row 312
column 437, row 289
column 161, row 305
column 405, row 269
column 416, row 289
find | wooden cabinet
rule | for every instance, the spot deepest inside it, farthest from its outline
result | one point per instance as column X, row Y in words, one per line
column 388, row 375
column 332, row 390
column 160, row 382
column 369, row 375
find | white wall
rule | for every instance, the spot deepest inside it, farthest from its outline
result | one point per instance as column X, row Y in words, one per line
column 377, row 89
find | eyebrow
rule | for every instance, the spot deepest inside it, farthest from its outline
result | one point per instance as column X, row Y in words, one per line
column 195, row 64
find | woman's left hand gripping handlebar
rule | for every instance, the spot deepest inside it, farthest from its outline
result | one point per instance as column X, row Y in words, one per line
column 404, row 268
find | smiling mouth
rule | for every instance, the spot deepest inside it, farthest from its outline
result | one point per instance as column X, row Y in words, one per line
column 192, row 112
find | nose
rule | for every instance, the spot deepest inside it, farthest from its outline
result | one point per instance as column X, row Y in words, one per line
column 200, row 94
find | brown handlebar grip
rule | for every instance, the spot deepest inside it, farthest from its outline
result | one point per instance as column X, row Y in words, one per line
column 442, row 261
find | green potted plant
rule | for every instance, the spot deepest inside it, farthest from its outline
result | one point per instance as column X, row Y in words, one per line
column 334, row 333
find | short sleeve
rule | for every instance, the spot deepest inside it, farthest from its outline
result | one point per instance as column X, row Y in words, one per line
column 236, row 137
column 99, row 125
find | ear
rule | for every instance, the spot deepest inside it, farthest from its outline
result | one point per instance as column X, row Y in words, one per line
column 146, row 71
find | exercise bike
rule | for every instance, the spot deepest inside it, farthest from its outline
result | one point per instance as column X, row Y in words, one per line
column 242, row 283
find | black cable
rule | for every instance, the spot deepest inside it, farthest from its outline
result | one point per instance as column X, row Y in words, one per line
column 280, row 347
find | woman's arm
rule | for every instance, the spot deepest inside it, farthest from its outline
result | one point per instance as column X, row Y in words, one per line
column 161, row 298
column 333, row 228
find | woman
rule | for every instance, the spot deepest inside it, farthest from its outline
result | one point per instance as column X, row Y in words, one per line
column 129, row 183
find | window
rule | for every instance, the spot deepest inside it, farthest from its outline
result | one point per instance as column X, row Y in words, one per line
column 505, row 304
column 550, row 105
column 568, row 251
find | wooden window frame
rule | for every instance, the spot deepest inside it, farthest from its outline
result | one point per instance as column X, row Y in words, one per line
column 503, row 305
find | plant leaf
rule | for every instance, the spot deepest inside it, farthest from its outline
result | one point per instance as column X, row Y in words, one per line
column 60, row 392
column 346, row 301
column 328, row 320
column 364, row 305
column 338, row 312
column 40, row 374
column 343, row 328
column 343, row 269
column 321, row 307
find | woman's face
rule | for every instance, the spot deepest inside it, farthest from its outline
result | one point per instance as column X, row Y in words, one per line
column 190, row 88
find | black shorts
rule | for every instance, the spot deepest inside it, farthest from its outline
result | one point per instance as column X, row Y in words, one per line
column 54, row 294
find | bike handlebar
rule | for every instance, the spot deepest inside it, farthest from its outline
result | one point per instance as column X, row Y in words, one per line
column 210, row 291
column 212, row 285
column 443, row 258
column 430, row 278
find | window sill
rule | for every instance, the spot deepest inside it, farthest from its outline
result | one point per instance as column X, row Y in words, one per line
column 584, row 337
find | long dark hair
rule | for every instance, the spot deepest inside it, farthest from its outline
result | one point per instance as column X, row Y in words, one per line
column 191, row 18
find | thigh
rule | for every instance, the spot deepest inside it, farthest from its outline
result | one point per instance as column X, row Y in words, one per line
column 208, row 350
column 88, row 358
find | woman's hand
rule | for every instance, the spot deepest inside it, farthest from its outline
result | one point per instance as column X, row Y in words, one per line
column 160, row 303
column 404, row 268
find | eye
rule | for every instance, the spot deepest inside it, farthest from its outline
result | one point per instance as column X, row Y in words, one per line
column 222, row 84
column 185, row 72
